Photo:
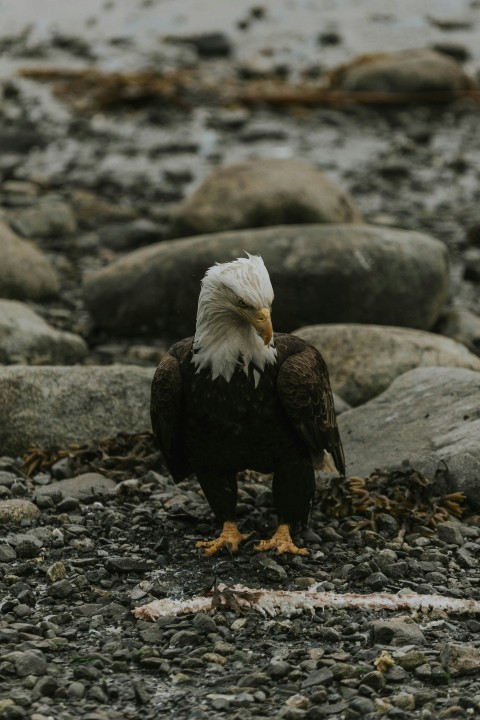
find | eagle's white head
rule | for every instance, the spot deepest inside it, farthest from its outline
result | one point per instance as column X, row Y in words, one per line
column 233, row 319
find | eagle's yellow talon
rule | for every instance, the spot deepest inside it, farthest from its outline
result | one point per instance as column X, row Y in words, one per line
column 230, row 537
column 281, row 542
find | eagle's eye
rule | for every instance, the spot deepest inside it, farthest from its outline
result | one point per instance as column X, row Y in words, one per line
column 241, row 303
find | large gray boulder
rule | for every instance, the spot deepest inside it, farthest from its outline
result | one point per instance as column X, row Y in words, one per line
column 54, row 406
column 25, row 273
column 262, row 192
column 405, row 71
column 364, row 359
column 429, row 417
column 320, row 273
column 25, row 337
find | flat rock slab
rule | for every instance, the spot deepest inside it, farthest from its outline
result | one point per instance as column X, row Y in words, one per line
column 263, row 192
column 364, row 359
column 25, row 337
column 25, row 273
column 320, row 273
column 429, row 417
column 55, row 406
column 84, row 487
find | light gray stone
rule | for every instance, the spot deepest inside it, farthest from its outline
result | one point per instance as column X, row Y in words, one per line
column 50, row 218
column 407, row 71
column 396, row 632
column 25, row 337
column 83, row 486
column 25, row 273
column 364, row 359
column 55, row 406
column 320, row 273
column 15, row 510
column 429, row 417
column 262, row 192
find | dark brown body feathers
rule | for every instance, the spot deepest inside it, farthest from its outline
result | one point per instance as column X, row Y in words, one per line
column 217, row 428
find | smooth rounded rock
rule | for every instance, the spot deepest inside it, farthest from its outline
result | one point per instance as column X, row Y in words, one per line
column 25, row 337
column 25, row 273
column 48, row 219
column 262, row 192
column 364, row 359
column 320, row 273
column 429, row 417
column 54, row 406
column 15, row 510
column 406, row 71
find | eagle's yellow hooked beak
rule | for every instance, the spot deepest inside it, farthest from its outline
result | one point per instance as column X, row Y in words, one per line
column 262, row 322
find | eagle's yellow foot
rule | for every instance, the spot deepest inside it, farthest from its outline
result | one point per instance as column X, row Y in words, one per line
column 230, row 537
column 281, row 542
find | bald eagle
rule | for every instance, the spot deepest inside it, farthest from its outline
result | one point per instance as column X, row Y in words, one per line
column 237, row 396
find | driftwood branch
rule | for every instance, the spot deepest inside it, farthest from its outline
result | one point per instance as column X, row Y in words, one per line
column 284, row 602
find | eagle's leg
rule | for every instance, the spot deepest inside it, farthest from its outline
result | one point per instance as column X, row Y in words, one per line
column 282, row 542
column 221, row 492
column 230, row 537
column 293, row 490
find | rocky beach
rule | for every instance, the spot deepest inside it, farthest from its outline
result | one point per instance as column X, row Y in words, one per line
column 141, row 142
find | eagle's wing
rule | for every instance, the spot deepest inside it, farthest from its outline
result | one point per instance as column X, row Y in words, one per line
column 166, row 412
column 304, row 390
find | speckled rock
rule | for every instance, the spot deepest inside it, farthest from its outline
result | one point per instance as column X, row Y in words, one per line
column 25, row 337
column 59, row 405
column 25, row 273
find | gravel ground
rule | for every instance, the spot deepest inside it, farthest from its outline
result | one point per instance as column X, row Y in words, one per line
column 71, row 647
column 69, row 576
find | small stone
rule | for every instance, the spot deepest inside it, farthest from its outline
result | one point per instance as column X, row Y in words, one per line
column 76, row 690
column 319, row 677
column 16, row 510
column 278, row 668
column 403, row 700
column 68, row 504
column 301, row 702
column 395, row 632
column 363, row 705
column 28, row 663
column 214, row 658
column 396, row 674
column 412, row 659
column 183, row 638
column 374, row 680
column 273, row 571
column 7, row 553
column 376, row 581
column 27, row 546
column 450, row 533
column 57, row 571
column 304, row 582
column 61, row 589
column 460, row 659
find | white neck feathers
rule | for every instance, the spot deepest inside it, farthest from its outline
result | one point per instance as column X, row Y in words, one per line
column 224, row 341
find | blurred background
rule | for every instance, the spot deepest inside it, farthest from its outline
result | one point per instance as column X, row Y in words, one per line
column 115, row 113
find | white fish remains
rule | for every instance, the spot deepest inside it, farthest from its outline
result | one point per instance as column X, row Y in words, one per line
column 284, row 602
